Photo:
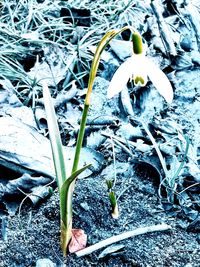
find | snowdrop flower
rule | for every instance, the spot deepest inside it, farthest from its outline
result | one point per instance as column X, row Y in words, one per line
column 138, row 67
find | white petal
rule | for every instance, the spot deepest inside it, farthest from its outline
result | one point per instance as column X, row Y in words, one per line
column 140, row 70
column 159, row 80
column 120, row 78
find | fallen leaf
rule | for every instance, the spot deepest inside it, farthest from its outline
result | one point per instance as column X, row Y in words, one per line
column 78, row 240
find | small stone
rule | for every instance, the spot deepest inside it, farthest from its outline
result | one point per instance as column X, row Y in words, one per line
column 84, row 206
column 45, row 263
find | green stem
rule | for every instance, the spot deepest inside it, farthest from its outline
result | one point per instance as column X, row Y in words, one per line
column 80, row 138
column 95, row 63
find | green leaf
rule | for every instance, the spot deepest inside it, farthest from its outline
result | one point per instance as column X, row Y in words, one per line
column 66, row 194
column 113, row 200
column 109, row 184
column 56, row 144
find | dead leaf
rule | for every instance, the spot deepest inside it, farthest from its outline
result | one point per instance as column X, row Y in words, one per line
column 78, row 240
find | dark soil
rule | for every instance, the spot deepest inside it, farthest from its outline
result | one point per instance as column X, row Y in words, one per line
column 35, row 234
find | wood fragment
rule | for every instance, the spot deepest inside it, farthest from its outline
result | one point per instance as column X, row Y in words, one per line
column 117, row 238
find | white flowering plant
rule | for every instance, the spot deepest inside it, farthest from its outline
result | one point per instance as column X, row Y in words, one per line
column 138, row 67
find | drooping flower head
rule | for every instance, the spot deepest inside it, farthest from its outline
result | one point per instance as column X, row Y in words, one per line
column 138, row 68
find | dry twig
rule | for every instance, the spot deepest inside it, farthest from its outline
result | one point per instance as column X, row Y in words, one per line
column 117, row 238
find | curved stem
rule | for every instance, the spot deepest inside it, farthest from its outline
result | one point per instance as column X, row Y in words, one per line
column 95, row 63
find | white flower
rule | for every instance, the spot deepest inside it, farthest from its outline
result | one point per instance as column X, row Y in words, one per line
column 138, row 67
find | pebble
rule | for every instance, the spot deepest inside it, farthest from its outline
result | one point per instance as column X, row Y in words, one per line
column 45, row 263
column 84, row 206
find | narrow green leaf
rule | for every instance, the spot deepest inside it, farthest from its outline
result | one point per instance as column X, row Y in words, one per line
column 66, row 195
column 109, row 184
column 113, row 200
column 56, row 144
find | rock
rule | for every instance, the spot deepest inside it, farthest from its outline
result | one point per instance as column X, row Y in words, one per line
column 45, row 263
column 85, row 206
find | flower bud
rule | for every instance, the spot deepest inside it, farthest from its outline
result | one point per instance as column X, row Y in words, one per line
column 137, row 43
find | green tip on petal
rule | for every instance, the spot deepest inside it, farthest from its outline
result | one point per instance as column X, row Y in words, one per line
column 139, row 81
column 137, row 43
